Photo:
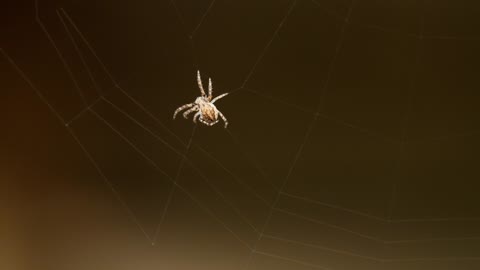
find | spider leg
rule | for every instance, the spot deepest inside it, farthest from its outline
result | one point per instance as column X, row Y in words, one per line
column 200, row 85
column 189, row 111
column 204, row 122
column 219, row 97
column 210, row 89
column 181, row 108
column 223, row 118
column 207, row 123
column 195, row 117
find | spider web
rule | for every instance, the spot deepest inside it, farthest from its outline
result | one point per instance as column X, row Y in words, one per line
column 280, row 215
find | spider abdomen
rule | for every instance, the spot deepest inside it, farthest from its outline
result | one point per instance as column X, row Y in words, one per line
column 209, row 113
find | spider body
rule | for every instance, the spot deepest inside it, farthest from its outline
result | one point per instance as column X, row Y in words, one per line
column 206, row 112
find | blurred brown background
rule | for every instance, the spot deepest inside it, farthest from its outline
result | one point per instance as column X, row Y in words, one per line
column 353, row 137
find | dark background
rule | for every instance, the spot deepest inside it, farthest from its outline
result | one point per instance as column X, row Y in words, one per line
column 352, row 144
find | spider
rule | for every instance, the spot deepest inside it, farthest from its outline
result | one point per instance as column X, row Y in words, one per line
column 207, row 113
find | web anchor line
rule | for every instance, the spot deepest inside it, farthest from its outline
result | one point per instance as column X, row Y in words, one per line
column 59, row 54
column 79, row 53
column 192, row 34
column 269, row 43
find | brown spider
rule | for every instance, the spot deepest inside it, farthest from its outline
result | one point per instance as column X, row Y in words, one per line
column 207, row 113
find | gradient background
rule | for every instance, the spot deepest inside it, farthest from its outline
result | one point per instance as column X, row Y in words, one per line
column 353, row 144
